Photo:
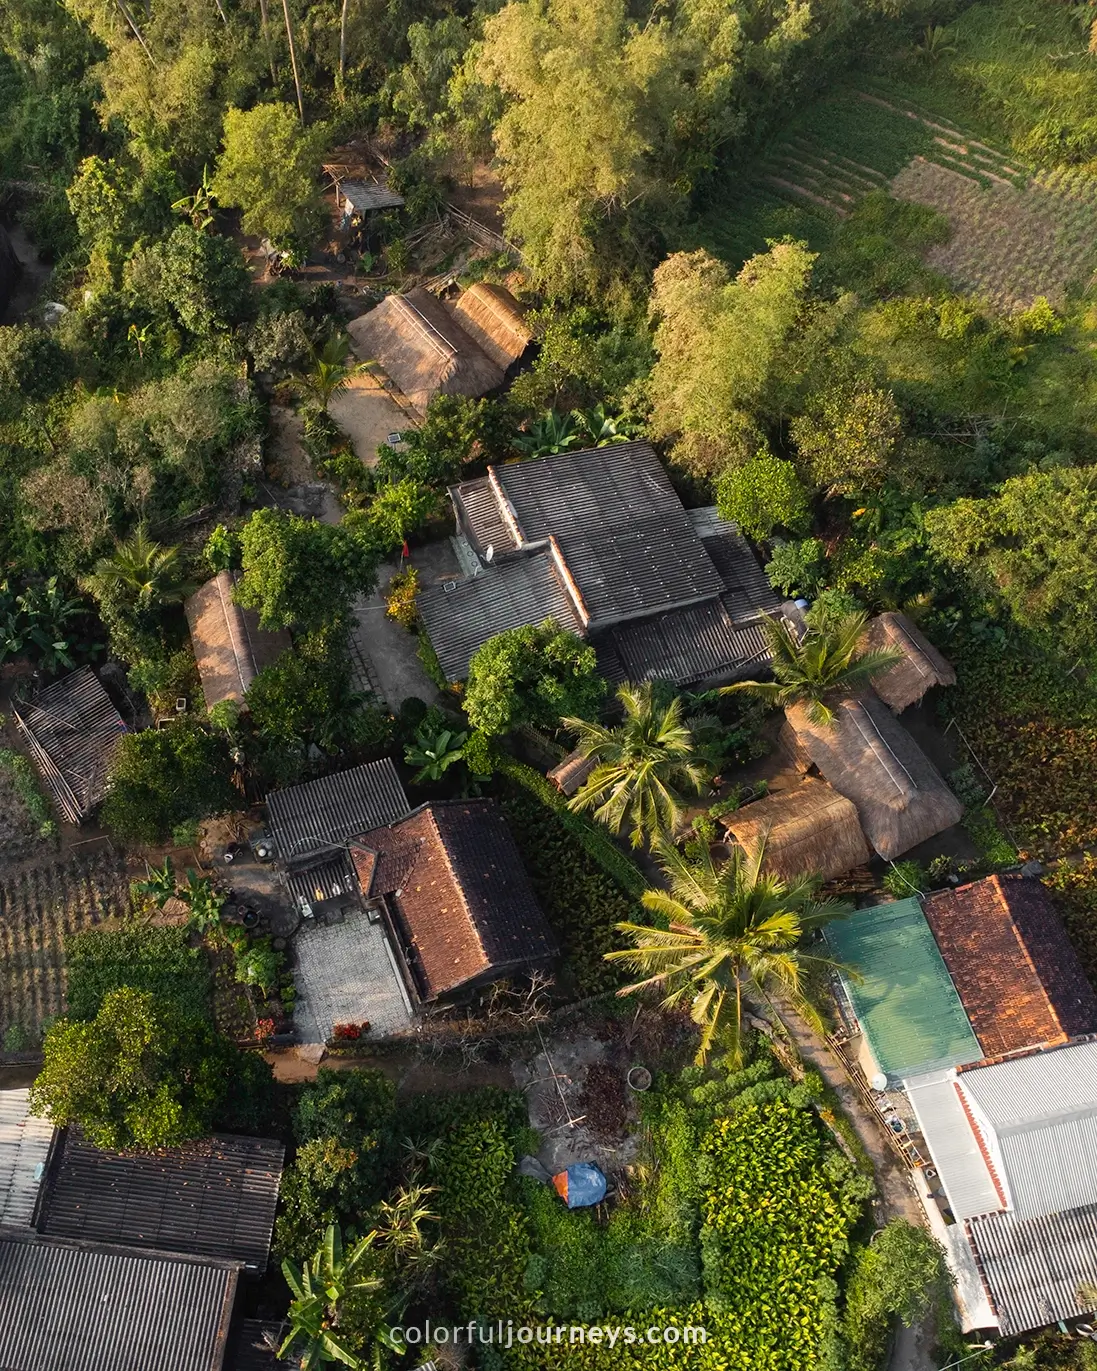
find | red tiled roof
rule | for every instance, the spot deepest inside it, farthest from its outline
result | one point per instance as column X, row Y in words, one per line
column 1013, row 966
column 453, row 875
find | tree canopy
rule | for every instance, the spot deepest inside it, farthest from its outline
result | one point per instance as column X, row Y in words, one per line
column 140, row 1074
column 268, row 170
column 533, row 675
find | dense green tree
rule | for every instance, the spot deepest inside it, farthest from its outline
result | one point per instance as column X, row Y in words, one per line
column 847, row 436
column 300, row 572
column 732, row 935
column 140, row 1074
column 456, row 431
column 1034, row 544
column 644, row 766
column 269, row 170
column 720, row 345
column 160, row 778
column 200, row 276
column 762, row 494
column 818, row 668
column 33, row 366
column 532, row 675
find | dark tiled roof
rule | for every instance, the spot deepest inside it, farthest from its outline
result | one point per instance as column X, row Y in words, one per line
column 477, row 506
column 250, row 1348
column 326, row 879
column 513, row 593
column 463, row 899
column 214, row 1198
column 73, row 730
column 325, row 813
column 747, row 592
column 685, row 646
column 619, row 525
column 1012, row 963
column 71, row 1307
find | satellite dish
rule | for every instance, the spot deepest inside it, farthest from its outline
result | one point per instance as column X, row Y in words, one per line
column 490, row 552
column 879, row 1081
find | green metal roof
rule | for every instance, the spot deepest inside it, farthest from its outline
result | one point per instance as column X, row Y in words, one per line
column 905, row 1002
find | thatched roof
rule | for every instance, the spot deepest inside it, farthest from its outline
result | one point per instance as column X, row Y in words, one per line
column 229, row 646
column 418, row 343
column 870, row 758
column 921, row 668
column 571, row 773
column 809, row 829
column 494, row 319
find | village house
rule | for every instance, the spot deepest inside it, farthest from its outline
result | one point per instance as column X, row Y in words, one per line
column 600, row 542
column 401, row 909
column 972, row 1022
column 134, row 1260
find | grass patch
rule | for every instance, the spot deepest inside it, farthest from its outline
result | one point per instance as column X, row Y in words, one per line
column 158, row 960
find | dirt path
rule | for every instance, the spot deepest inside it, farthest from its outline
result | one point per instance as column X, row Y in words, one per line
column 412, row 1075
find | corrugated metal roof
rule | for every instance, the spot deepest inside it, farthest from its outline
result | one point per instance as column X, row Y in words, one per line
column 323, row 880
column 24, row 1149
column 687, row 645
column 68, row 1307
column 747, row 591
column 1033, row 1267
column 952, row 1142
column 320, row 814
column 477, row 507
column 511, row 594
column 72, row 729
column 621, row 529
column 213, row 1198
column 906, row 1004
column 1042, row 1111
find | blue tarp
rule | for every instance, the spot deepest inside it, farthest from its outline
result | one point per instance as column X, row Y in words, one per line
column 581, row 1185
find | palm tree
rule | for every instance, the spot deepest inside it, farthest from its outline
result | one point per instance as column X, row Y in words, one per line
column 330, row 371
column 139, row 574
column 643, row 766
column 319, row 1288
column 825, row 664
column 732, row 933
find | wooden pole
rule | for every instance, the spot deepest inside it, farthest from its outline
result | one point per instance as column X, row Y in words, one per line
column 343, row 46
column 293, row 60
column 264, row 21
column 123, row 10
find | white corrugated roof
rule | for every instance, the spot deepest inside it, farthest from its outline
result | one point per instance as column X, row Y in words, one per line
column 1042, row 1112
column 953, row 1145
column 24, row 1149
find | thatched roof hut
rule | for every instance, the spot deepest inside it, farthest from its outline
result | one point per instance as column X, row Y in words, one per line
column 870, row 758
column 572, row 772
column 494, row 319
column 809, row 829
column 229, row 646
column 419, row 345
column 921, row 668
column 72, row 730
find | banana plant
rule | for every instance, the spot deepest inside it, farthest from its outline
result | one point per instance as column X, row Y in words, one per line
column 552, row 432
column 160, row 884
column 599, row 428
column 319, row 1289
column 205, row 902
column 434, row 753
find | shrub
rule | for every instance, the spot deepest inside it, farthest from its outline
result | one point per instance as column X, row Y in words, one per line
column 162, row 777
column 400, row 599
column 763, row 494
column 25, row 782
column 903, row 879
column 532, row 675
column 797, row 568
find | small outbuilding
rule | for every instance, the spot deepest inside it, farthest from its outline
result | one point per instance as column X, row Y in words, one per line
column 361, row 197
column 72, row 730
column 418, row 342
column 572, row 773
column 494, row 320
column 868, row 756
column 809, row 829
column 921, row 667
column 229, row 646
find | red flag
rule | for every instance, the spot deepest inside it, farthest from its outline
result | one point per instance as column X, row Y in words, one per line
column 405, row 551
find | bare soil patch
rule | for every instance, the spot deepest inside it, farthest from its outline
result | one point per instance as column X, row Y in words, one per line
column 1008, row 245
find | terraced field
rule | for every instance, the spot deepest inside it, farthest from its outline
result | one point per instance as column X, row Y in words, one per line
column 39, row 907
column 1016, row 233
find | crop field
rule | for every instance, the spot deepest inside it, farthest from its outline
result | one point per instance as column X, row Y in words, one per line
column 1015, row 233
column 39, row 907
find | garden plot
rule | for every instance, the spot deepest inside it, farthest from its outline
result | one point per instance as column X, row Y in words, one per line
column 1008, row 245
column 39, row 907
